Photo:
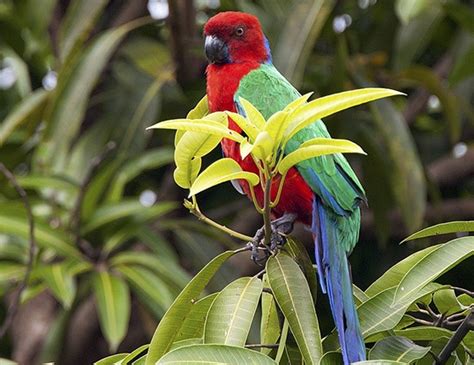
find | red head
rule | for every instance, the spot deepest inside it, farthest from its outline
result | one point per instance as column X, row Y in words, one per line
column 234, row 37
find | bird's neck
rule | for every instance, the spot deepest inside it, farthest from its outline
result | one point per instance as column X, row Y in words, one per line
column 222, row 84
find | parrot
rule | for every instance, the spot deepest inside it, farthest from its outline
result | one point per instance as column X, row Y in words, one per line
column 323, row 193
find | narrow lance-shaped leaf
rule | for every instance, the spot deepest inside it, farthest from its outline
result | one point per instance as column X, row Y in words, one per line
column 270, row 323
column 434, row 265
column 442, row 228
column 113, row 303
column 331, row 104
column 294, row 298
column 397, row 348
column 173, row 319
column 215, row 354
column 193, row 325
column 230, row 315
column 222, row 170
column 61, row 282
column 317, row 147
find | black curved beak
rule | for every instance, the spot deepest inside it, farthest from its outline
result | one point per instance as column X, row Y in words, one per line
column 216, row 50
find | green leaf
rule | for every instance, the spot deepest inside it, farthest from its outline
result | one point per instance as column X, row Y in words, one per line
column 442, row 228
column 462, row 68
column 433, row 265
column 397, row 348
column 152, row 159
column 270, row 323
column 47, row 182
column 294, row 298
column 220, row 171
column 30, row 105
column 113, row 305
column 230, row 315
column 409, row 9
column 424, row 333
column 78, row 22
column 394, row 275
column 331, row 104
column 173, row 319
column 252, row 114
column 187, row 342
column 45, row 236
column 379, row 314
column 331, row 358
column 126, row 208
column 61, row 282
column 213, row 355
column 262, row 148
column 11, row 271
column 317, row 147
column 446, row 302
column 200, row 125
column 149, row 286
column 302, row 24
column 112, row 359
column 193, row 326
column 461, row 13
column 249, row 128
column 72, row 93
column 200, row 110
column 134, row 354
column 379, row 362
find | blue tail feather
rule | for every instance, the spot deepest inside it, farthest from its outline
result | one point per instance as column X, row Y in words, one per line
column 335, row 280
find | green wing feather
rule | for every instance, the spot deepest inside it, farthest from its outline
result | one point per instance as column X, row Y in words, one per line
column 336, row 182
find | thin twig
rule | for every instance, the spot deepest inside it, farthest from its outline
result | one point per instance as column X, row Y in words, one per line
column 75, row 220
column 466, row 326
column 12, row 310
column 464, row 291
column 260, row 345
column 267, row 208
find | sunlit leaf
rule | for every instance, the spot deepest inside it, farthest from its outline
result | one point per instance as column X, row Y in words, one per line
column 443, row 228
column 172, row 321
column 397, row 348
column 252, row 114
column 433, row 265
column 317, row 147
column 213, row 355
column 331, row 104
column 220, row 171
column 247, row 125
column 200, row 110
column 113, row 304
column 231, row 313
column 294, row 298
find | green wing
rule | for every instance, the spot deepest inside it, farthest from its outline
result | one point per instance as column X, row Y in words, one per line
column 331, row 176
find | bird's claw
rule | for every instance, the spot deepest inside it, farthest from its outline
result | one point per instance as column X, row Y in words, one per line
column 281, row 227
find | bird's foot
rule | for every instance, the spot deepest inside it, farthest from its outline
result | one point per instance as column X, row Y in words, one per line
column 281, row 227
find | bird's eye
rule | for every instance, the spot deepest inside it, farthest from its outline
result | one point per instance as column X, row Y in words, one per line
column 239, row 31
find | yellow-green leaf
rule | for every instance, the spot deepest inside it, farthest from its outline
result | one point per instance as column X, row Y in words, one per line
column 252, row 114
column 250, row 129
column 222, row 170
column 318, row 147
column 200, row 110
column 113, row 304
column 263, row 146
column 443, row 228
column 185, row 176
column 331, row 104
column 61, row 283
column 276, row 125
column 298, row 102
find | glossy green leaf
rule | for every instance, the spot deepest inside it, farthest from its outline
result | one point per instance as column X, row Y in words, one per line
column 193, row 326
column 317, row 147
column 394, row 274
column 172, row 321
column 446, row 302
column 152, row 159
column 60, row 281
column 22, row 112
column 270, row 323
column 112, row 359
column 213, row 355
column 443, row 228
column 134, row 354
column 433, row 265
column 152, row 288
column 231, row 313
column 294, row 298
column 78, row 22
column 331, row 104
column 200, row 125
column 113, row 305
column 225, row 169
column 252, row 114
column 397, row 348
column 187, row 342
column 380, row 314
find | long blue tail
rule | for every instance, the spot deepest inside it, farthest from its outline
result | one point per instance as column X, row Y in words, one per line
column 335, row 279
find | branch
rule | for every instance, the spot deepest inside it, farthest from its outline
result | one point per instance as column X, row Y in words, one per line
column 449, row 170
column 12, row 310
column 75, row 220
column 466, row 326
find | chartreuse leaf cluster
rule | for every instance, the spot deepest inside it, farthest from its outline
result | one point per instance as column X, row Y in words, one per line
column 264, row 140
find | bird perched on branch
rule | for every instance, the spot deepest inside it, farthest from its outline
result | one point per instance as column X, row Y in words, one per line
column 322, row 193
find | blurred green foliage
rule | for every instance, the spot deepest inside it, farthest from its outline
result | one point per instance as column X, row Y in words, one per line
column 81, row 79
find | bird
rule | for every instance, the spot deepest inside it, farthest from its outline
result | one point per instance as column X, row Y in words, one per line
column 323, row 193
